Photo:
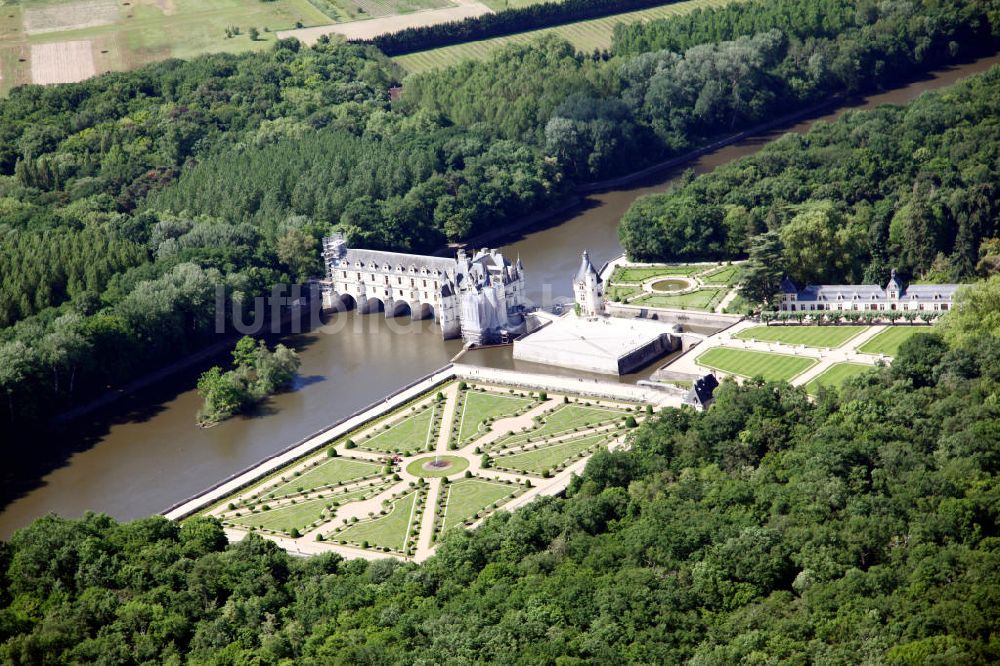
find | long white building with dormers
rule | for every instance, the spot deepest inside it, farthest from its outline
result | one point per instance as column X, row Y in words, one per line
column 894, row 297
column 478, row 298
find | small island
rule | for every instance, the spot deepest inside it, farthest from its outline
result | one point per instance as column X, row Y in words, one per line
column 257, row 373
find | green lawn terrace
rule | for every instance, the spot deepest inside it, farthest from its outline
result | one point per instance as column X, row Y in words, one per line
column 701, row 299
column 292, row 516
column 478, row 407
column 463, row 502
column 562, row 420
column 409, row 431
column 394, row 529
column 544, row 459
column 835, row 376
column 820, row 337
column 888, row 341
column 744, row 363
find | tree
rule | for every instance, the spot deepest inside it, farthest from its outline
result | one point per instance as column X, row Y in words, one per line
column 299, row 251
column 761, row 275
column 976, row 312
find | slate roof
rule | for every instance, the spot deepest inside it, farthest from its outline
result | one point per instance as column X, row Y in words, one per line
column 702, row 391
column 586, row 268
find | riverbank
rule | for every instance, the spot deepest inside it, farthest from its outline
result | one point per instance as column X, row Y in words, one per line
column 144, row 453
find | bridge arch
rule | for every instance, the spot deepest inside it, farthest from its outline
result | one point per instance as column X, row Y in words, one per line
column 421, row 311
column 373, row 304
column 398, row 309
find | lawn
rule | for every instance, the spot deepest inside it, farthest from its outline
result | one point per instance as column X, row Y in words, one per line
column 619, row 294
column 773, row 367
column 547, row 457
column 835, row 375
column 643, row 274
column 725, row 275
column 467, row 497
column 584, row 35
column 302, row 514
column 888, row 341
column 479, row 406
column 562, row 421
column 412, row 433
column 333, row 471
column 703, row 299
column 388, row 531
column 810, row 336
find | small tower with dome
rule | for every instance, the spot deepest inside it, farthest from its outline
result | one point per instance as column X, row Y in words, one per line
column 588, row 288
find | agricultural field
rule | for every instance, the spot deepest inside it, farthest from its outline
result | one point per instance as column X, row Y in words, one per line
column 835, row 376
column 463, row 499
column 368, row 487
column 810, row 336
column 537, row 461
column 702, row 299
column 586, row 36
column 55, row 41
column 770, row 366
column 888, row 341
column 354, row 10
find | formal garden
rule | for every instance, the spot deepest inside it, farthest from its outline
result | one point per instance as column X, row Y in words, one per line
column 462, row 450
column 673, row 286
column 745, row 363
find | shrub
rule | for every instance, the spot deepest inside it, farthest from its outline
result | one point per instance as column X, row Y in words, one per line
column 350, row 444
column 294, row 533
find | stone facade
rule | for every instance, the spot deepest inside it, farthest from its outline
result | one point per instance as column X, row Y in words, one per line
column 895, row 296
column 478, row 298
column 588, row 289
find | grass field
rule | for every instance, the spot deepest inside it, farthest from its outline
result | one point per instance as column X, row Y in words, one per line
column 562, row 421
column 835, row 375
column 388, row 531
column 333, row 471
column 124, row 36
column 478, row 407
column 725, row 275
column 702, row 299
column 547, row 457
column 584, row 35
column 888, row 341
column 773, row 367
column 467, row 497
column 302, row 514
column 412, row 433
column 810, row 336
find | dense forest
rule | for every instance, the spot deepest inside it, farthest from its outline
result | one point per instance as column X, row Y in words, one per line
column 859, row 528
column 914, row 187
column 127, row 199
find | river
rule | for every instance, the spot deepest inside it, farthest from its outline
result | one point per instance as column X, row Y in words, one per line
column 149, row 454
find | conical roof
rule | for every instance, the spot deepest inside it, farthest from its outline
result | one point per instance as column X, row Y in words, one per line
column 586, row 268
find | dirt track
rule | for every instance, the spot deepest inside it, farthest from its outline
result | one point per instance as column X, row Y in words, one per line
column 380, row 26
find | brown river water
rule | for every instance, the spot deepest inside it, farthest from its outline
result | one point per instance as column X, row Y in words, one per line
column 148, row 454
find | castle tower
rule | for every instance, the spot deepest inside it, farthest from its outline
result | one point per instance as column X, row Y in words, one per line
column 588, row 288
